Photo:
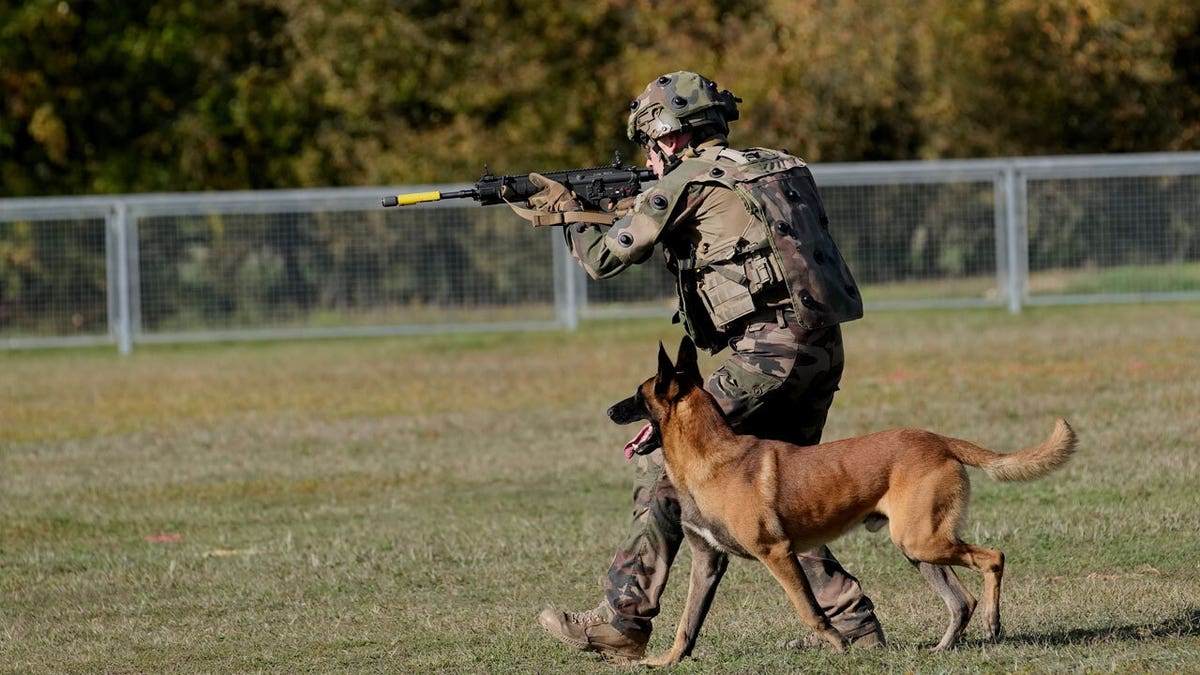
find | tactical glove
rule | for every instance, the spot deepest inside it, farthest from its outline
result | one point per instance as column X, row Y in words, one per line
column 553, row 197
column 623, row 206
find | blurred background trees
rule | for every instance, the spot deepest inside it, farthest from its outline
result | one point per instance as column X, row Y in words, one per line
column 103, row 96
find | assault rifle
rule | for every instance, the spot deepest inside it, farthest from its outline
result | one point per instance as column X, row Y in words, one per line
column 597, row 189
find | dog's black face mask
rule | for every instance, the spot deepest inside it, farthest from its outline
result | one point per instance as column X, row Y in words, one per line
column 630, row 410
column 633, row 409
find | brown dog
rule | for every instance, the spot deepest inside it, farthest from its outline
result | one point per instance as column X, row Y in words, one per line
column 770, row 500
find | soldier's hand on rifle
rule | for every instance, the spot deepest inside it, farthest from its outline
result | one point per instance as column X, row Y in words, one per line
column 623, row 206
column 553, row 197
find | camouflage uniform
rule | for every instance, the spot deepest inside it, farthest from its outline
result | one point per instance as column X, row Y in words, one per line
column 747, row 238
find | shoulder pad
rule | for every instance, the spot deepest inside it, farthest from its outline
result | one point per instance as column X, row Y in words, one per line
column 659, row 202
column 632, row 237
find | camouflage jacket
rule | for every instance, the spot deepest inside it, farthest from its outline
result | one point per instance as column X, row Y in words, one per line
column 744, row 233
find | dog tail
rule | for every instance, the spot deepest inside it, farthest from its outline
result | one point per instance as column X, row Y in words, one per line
column 1026, row 464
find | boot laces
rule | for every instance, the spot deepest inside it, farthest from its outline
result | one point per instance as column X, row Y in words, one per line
column 590, row 617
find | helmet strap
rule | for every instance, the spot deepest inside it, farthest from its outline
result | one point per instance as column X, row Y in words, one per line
column 669, row 161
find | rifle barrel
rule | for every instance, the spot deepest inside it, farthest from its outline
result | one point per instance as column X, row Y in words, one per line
column 431, row 196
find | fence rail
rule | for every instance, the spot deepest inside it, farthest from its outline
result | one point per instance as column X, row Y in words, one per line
column 130, row 269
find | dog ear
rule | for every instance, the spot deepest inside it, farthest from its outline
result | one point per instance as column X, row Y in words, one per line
column 687, row 363
column 666, row 372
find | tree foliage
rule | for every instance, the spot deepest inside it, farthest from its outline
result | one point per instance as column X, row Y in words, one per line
column 101, row 96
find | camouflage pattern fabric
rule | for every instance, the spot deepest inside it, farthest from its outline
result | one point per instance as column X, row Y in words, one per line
column 823, row 290
column 678, row 101
column 778, row 383
column 725, row 206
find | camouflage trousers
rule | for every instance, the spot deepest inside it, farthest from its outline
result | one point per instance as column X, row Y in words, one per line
column 778, row 383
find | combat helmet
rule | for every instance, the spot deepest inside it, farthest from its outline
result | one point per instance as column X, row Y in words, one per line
column 678, row 101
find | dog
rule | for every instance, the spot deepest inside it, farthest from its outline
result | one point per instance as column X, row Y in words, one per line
column 771, row 500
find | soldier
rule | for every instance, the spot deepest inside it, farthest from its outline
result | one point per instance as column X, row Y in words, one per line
column 746, row 236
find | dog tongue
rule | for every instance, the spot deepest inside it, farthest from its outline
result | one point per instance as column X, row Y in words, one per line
column 636, row 443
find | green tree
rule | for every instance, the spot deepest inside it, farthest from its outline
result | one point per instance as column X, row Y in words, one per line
column 1059, row 76
column 138, row 95
column 128, row 95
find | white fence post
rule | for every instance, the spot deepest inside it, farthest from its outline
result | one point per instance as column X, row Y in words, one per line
column 119, row 320
column 1016, row 237
column 566, row 310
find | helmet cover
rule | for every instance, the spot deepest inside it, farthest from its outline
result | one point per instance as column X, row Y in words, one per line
column 679, row 101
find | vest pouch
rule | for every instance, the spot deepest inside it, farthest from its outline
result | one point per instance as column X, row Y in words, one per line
column 722, row 287
column 693, row 313
column 762, row 272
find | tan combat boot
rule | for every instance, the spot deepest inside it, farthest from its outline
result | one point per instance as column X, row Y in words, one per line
column 592, row 631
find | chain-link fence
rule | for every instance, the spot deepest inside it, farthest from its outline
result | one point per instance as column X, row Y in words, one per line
column 306, row 263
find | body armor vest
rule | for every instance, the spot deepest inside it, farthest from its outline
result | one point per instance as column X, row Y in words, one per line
column 787, row 258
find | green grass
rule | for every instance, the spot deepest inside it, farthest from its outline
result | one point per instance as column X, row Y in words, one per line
column 1126, row 279
column 1136, row 279
column 411, row 504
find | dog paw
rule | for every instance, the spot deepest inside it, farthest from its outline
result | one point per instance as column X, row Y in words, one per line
column 661, row 661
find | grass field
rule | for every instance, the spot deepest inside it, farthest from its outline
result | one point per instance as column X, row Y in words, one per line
column 411, row 504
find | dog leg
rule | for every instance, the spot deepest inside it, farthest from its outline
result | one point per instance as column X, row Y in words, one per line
column 708, row 566
column 958, row 600
column 926, row 531
column 988, row 562
column 991, row 564
column 786, row 569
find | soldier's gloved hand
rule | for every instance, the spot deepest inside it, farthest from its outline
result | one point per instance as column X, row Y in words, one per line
column 623, row 206
column 552, row 197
